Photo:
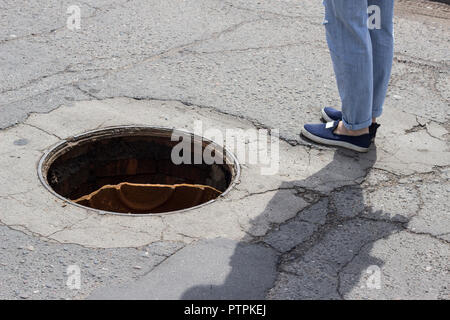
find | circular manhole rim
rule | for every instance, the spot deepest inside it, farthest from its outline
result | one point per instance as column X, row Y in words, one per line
column 53, row 151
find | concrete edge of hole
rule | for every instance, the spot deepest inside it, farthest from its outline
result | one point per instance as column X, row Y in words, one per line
column 52, row 154
column 248, row 207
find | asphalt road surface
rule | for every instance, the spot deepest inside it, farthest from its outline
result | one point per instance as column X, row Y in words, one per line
column 265, row 62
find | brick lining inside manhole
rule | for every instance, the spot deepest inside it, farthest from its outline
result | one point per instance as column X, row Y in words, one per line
column 129, row 170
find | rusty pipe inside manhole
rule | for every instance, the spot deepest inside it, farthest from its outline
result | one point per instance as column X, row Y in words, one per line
column 130, row 170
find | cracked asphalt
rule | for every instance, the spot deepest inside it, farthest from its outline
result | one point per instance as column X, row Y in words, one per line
column 373, row 226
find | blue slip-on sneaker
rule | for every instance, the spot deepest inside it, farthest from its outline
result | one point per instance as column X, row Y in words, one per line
column 330, row 114
column 324, row 133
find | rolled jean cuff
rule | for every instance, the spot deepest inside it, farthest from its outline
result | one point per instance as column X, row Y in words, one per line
column 377, row 113
column 357, row 126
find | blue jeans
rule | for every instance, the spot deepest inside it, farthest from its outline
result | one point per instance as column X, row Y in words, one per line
column 362, row 56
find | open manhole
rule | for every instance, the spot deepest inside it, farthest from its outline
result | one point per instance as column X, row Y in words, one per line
column 129, row 170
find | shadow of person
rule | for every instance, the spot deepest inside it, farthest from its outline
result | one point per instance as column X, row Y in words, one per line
column 305, row 257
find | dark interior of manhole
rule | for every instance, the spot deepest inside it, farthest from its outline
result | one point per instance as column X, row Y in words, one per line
column 131, row 171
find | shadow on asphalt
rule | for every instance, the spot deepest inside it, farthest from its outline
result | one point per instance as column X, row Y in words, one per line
column 318, row 260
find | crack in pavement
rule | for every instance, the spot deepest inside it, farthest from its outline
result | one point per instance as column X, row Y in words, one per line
column 281, row 46
column 44, row 131
column 68, row 227
column 356, row 254
column 334, row 221
column 60, row 28
column 162, row 54
column 432, row 67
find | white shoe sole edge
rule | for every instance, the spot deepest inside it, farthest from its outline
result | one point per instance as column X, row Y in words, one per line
column 326, row 117
column 342, row 144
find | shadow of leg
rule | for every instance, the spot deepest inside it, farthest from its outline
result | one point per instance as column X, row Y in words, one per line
column 312, row 248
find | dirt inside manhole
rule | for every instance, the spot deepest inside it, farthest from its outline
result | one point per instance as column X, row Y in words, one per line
column 131, row 170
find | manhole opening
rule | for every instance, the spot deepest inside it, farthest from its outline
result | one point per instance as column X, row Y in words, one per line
column 129, row 170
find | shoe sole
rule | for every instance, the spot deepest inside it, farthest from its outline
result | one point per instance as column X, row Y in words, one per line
column 327, row 142
column 326, row 117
